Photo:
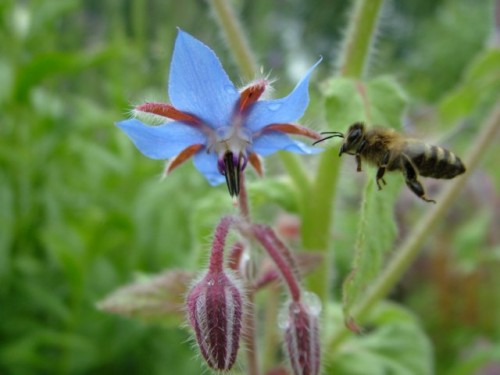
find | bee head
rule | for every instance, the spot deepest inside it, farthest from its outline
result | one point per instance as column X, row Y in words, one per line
column 353, row 138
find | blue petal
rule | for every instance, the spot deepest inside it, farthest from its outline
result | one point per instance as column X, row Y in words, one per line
column 198, row 84
column 206, row 163
column 284, row 110
column 161, row 142
column 269, row 143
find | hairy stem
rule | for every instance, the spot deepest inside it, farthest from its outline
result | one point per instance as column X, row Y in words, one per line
column 410, row 247
column 360, row 37
column 267, row 239
column 318, row 219
column 219, row 243
column 233, row 32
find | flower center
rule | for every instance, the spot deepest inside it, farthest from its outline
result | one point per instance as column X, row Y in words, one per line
column 233, row 138
column 231, row 144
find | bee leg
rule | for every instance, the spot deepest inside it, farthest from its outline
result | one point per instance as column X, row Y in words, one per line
column 358, row 154
column 412, row 181
column 381, row 170
column 358, row 163
column 380, row 177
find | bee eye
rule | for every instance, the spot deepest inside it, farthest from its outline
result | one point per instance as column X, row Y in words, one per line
column 354, row 135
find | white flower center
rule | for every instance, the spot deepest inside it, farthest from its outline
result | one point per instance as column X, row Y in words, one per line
column 234, row 138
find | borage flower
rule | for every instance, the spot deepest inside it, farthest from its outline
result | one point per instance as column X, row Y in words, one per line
column 210, row 120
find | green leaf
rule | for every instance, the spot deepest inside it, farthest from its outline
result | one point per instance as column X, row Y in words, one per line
column 48, row 12
column 395, row 344
column 151, row 298
column 387, row 101
column 479, row 87
column 470, row 237
column 376, row 233
column 66, row 248
column 380, row 101
column 343, row 103
column 6, row 225
column 53, row 64
column 161, row 209
column 45, row 301
column 6, row 72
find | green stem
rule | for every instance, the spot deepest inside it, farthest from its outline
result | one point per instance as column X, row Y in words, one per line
column 233, row 32
column 295, row 169
column 301, row 181
column 360, row 37
column 243, row 200
column 409, row 248
column 317, row 219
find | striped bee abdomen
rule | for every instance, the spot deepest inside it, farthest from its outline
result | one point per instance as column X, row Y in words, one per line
column 434, row 161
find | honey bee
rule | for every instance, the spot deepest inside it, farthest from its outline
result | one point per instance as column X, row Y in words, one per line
column 390, row 151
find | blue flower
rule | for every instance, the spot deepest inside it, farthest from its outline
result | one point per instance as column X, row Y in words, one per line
column 209, row 119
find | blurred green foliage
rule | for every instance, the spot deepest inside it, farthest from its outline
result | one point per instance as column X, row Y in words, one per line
column 396, row 345
column 81, row 211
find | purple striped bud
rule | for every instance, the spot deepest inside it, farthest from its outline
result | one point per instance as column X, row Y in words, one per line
column 300, row 323
column 214, row 307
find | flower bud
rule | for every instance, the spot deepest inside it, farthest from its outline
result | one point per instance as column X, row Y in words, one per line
column 302, row 343
column 214, row 307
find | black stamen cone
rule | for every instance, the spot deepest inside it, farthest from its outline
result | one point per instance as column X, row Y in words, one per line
column 232, row 173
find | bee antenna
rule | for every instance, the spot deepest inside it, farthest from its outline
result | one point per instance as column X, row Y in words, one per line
column 329, row 135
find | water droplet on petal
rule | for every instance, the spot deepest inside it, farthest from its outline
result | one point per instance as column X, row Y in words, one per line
column 274, row 106
column 283, row 318
column 312, row 302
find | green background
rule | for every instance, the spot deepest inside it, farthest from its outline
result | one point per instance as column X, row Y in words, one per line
column 82, row 212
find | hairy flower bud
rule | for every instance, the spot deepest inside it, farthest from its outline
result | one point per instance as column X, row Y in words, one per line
column 214, row 307
column 300, row 323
